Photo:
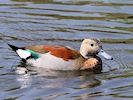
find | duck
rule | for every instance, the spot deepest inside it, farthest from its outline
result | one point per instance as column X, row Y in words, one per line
column 56, row 57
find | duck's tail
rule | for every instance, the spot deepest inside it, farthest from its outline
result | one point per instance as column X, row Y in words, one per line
column 14, row 48
column 21, row 52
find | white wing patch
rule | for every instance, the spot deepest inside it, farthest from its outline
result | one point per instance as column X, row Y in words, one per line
column 23, row 54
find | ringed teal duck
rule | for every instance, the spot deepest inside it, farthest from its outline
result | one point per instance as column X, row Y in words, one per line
column 64, row 58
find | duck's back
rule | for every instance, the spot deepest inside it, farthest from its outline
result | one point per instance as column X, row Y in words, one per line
column 66, row 53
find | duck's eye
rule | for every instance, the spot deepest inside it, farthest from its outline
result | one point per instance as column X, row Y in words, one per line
column 92, row 45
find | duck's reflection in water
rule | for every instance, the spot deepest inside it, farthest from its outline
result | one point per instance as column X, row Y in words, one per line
column 25, row 80
column 56, row 79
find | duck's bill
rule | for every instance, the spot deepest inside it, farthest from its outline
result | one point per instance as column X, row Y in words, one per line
column 105, row 55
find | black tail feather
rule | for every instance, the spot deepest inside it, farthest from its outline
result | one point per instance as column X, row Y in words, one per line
column 14, row 48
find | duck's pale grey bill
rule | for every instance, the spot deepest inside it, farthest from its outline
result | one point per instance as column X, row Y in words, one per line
column 105, row 55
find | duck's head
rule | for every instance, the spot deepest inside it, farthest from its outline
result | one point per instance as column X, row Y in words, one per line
column 92, row 47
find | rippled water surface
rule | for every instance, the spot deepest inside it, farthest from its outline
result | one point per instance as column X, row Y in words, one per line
column 67, row 22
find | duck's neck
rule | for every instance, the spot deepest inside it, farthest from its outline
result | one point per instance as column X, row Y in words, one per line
column 88, row 57
column 83, row 53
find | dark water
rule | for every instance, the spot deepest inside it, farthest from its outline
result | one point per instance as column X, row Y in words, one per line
column 67, row 22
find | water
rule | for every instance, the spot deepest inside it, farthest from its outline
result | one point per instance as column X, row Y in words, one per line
column 67, row 22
